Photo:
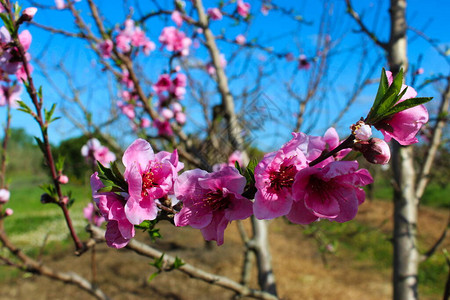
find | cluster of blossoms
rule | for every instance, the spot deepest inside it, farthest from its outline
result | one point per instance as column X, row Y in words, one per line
column 170, row 91
column 403, row 127
column 306, row 180
column 131, row 37
column 4, row 198
column 150, row 178
column 175, row 40
column 11, row 63
column 93, row 150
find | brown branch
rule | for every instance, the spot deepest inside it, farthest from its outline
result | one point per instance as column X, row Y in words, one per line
column 435, row 141
column 433, row 249
column 362, row 26
column 56, row 30
column 145, row 250
column 33, row 266
column 43, row 124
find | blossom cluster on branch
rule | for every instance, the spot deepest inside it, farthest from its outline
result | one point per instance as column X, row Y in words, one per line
column 308, row 179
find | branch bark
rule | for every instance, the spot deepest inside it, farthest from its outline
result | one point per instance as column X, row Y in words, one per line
column 142, row 249
column 435, row 141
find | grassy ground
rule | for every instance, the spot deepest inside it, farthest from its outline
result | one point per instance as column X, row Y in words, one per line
column 361, row 247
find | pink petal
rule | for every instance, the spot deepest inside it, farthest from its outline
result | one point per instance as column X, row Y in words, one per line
column 140, row 152
column 299, row 214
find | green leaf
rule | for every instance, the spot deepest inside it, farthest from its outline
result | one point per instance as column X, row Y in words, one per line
column 112, row 189
column 178, row 263
column 24, row 107
column 238, row 167
column 59, row 164
column 406, row 104
column 40, row 144
column 391, row 96
column 158, row 263
column 49, row 114
column 151, row 277
column 8, row 23
column 154, row 234
column 39, row 92
column 382, row 88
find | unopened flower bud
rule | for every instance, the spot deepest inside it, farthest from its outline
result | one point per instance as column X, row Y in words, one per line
column 65, row 200
column 375, row 151
column 362, row 131
column 4, row 196
column 28, row 14
column 63, row 179
column 8, row 211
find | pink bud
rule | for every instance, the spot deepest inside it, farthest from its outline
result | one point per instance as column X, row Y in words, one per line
column 214, row 13
column 4, row 196
column 167, row 113
column 240, row 39
column 63, row 179
column 145, row 123
column 28, row 13
column 362, row 131
column 65, row 200
column 9, row 211
column 177, row 18
column 375, row 151
column 180, row 118
column 419, row 71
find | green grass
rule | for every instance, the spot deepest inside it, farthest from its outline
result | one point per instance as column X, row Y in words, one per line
column 435, row 195
column 364, row 243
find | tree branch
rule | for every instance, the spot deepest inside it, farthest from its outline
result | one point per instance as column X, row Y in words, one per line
column 142, row 249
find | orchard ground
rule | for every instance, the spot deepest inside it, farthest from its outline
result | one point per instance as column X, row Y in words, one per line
column 358, row 269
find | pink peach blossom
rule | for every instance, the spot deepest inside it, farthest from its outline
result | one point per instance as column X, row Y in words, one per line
column 91, row 215
column 243, row 8
column 333, row 192
column 9, row 211
column 211, row 201
column 177, row 18
column 164, row 128
column 164, row 84
column 10, row 95
column 274, row 176
column 214, row 13
column 404, row 125
column 180, row 117
column 241, row 39
column 119, row 231
column 150, row 177
column 106, row 48
column 4, row 196
column 175, row 40
column 60, row 4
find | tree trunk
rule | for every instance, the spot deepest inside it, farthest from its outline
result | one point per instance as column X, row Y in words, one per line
column 406, row 256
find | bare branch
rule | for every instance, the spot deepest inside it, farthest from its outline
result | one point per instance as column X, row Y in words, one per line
column 362, row 26
column 145, row 250
column 438, row 128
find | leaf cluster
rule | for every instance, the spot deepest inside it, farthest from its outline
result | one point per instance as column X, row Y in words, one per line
column 386, row 102
column 112, row 179
column 159, row 265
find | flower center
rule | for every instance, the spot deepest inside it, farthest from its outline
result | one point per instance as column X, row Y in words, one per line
column 284, row 178
column 148, row 181
column 216, row 201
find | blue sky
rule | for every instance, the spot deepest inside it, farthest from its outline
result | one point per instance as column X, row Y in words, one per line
column 275, row 30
